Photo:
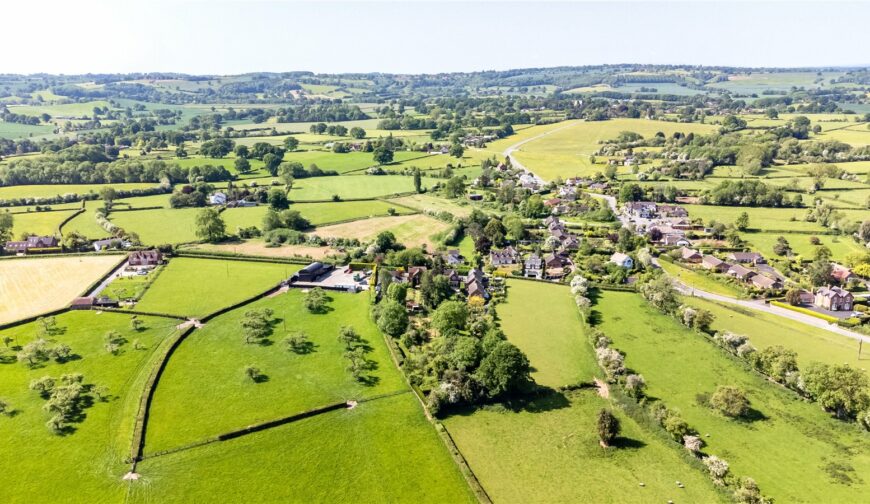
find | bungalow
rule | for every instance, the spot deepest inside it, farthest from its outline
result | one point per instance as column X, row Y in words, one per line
column 765, row 282
column 534, row 266
column 570, row 242
column 741, row 273
column 746, row 257
column 110, row 243
column 622, row 260
column 675, row 239
column 672, row 211
column 554, row 265
column 217, row 198
column 505, row 256
column 689, row 255
column 842, row 274
column 32, row 243
column 145, row 258
column 714, row 263
column 834, row 299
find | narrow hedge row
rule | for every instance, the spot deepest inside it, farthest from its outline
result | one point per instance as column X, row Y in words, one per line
column 66, row 220
column 234, row 256
column 240, row 304
column 251, row 429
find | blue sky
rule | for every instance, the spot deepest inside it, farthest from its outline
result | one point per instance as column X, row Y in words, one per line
column 225, row 37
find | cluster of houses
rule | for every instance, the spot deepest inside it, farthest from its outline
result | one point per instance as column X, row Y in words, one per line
column 666, row 225
column 473, row 284
column 735, row 265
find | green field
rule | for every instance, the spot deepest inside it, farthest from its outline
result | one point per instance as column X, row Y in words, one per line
column 316, row 213
column 565, row 152
column 800, row 243
column 548, row 450
column 789, row 451
column 89, row 461
column 15, row 130
column 53, row 190
column 197, row 287
column 38, row 223
column 789, row 219
column 381, row 451
column 765, row 329
column 204, row 391
column 159, row 226
column 699, row 280
column 431, row 203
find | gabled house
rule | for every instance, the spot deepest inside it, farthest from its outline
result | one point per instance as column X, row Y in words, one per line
column 765, row 282
column 453, row 257
column 108, row 243
column 834, row 299
column 689, row 255
column 145, row 258
column 675, row 239
column 217, row 198
column 533, row 266
column 453, row 278
column 415, row 275
column 714, row 263
column 746, row 257
column 570, row 242
column 622, row 260
column 643, row 209
column 32, row 243
column 671, row 211
column 842, row 274
column 740, row 272
column 505, row 256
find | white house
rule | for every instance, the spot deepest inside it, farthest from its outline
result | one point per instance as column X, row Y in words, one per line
column 622, row 260
column 217, row 198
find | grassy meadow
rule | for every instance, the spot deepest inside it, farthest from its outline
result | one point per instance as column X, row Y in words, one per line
column 159, row 226
column 90, row 459
column 547, row 450
column 38, row 223
column 316, row 213
column 412, row 230
column 196, row 287
column 794, row 450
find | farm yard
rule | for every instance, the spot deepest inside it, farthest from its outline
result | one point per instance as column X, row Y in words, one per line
column 29, row 287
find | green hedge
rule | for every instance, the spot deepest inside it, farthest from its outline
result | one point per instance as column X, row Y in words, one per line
column 805, row 311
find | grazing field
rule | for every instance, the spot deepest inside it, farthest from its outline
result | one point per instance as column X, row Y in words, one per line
column 788, row 219
column 800, row 243
column 565, row 153
column 53, row 190
column 380, row 451
column 699, row 280
column 85, row 222
column 89, row 460
column 38, row 223
column 197, row 287
column 32, row 286
column 764, row 330
column 15, row 130
column 556, row 343
column 316, row 213
column 430, row 203
column 553, row 453
column 204, row 390
column 412, row 230
column 794, row 450
column 159, row 226
column 260, row 248
column 349, row 161
column 350, row 186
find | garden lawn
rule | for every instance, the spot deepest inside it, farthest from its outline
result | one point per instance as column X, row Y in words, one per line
column 205, row 392
column 794, row 452
column 159, row 226
column 548, row 451
column 411, row 230
column 197, row 287
column 38, row 223
column 37, row 285
column 88, row 463
column 700, row 280
column 812, row 344
column 380, row 451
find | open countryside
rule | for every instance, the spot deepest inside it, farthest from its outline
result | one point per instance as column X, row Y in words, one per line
column 394, row 280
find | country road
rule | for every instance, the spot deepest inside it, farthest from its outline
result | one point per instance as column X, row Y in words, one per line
column 774, row 310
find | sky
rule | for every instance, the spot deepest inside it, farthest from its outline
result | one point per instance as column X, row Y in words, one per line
column 238, row 36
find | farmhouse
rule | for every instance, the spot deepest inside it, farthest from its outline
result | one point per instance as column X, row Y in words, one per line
column 32, row 243
column 745, row 257
column 834, row 299
column 622, row 260
column 505, row 256
column 145, row 258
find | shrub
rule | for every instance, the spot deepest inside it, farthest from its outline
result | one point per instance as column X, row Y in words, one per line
column 718, row 468
column 608, row 427
column 730, row 401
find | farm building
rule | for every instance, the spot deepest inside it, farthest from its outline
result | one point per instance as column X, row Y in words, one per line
column 86, row 303
column 312, row 272
column 834, row 299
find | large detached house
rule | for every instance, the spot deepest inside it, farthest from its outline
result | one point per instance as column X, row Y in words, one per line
column 834, row 299
column 534, row 266
column 31, row 243
column 145, row 258
column 503, row 257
